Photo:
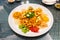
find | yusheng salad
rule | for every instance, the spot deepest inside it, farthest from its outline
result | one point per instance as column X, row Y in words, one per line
column 31, row 19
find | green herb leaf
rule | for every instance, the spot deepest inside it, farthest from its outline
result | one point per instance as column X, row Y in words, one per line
column 30, row 14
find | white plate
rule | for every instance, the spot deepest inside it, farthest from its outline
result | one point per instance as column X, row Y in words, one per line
column 51, row 2
column 15, row 28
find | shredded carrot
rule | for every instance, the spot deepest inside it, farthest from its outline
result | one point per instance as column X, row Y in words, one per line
column 40, row 18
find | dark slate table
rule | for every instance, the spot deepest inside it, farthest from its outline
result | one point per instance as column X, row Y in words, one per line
column 7, row 34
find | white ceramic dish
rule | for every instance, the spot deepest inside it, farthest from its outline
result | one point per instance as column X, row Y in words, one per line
column 15, row 28
column 49, row 2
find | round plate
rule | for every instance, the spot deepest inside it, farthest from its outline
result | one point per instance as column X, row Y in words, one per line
column 49, row 3
column 15, row 28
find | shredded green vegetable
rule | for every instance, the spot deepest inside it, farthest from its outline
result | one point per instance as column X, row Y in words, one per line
column 23, row 28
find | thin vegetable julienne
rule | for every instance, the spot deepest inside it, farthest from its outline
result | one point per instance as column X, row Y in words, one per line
column 31, row 17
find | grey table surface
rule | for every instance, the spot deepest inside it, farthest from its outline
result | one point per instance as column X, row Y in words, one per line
column 7, row 34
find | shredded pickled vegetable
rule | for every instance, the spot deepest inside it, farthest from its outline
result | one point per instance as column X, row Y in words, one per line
column 39, row 18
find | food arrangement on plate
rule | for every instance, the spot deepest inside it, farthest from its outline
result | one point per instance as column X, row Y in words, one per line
column 31, row 19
